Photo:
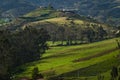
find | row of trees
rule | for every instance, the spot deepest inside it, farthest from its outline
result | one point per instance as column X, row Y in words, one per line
column 19, row 47
column 76, row 33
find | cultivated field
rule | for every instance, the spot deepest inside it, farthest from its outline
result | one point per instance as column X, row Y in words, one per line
column 80, row 62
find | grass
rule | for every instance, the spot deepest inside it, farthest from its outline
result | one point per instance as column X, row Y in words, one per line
column 42, row 14
column 44, row 17
column 38, row 12
column 60, row 60
column 62, row 21
column 2, row 21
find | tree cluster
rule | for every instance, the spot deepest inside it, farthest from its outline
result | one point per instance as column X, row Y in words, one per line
column 76, row 33
column 17, row 48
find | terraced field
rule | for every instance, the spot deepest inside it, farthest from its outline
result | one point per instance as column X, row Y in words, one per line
column 80, row 62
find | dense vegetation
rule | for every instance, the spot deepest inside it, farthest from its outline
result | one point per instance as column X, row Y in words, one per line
column 74, row 31
column 73, row 35
column 17, row 48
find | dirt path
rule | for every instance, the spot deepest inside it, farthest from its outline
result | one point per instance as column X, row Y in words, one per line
column 96, row 55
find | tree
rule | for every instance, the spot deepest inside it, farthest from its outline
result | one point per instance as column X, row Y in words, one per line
column 119, row 78
column 50, row 6
column 5, row 54
column 89, row 34
column 35, row 73
column 118, row 43
column 100, row 77
column 101, row 33
column 17, row 48
column 114, row 73
column 61, row 32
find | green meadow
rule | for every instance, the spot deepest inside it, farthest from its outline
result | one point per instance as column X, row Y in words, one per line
column 85, row 61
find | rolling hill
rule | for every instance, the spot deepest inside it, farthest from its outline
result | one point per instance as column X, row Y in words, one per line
column 15, row 8
column 51, row 19
column 76, row 62
column 65, row 58
column 44, row 13
column 80, row 45
column 102, row 10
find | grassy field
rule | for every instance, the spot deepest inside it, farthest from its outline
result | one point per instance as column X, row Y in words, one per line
column 63, row 21
column 50, row 17
column 41, row 14
column 2, row 21
column 76, row 62
column 38, row 12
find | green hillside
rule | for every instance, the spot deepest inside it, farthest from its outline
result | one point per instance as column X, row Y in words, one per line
column 39, row 12
column 103, row 10
column 71, row 62
column 76, row 62
column 47, row 15
column 63, row 21
column 49, row 12
column 60, row 40
column 71, row 23
column 75, row 27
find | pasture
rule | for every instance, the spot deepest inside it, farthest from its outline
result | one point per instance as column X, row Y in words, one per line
column 80, row 61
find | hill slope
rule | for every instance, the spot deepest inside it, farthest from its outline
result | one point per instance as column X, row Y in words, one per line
column 103, row 10
column 15, row 8
column 72, row 23
column 89, row 60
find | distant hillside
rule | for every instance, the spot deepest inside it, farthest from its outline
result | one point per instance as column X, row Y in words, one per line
column 64, row 25
column 15, row 8
column 49, row 14
column 103, row 10
column 72, row 23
